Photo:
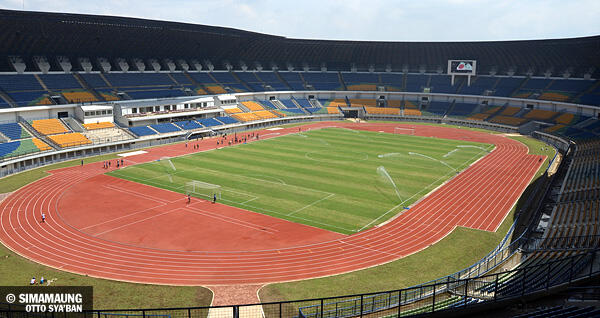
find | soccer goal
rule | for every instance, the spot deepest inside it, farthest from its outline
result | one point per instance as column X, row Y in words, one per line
column 203, row 189
column 404, row 131
column 168, row 166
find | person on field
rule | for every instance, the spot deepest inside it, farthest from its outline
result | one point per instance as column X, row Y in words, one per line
column 43, row 217
column 32, row 281
column 214, row 198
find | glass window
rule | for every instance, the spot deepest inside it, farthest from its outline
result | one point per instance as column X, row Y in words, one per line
column 109, row 112
column 103, row 112
column 134, row 110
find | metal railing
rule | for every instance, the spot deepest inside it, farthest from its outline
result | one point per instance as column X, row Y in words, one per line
column 443, row 296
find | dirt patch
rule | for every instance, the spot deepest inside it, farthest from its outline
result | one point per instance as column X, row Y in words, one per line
column 224, row 295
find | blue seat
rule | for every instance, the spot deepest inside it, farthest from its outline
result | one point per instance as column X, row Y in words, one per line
column 187, row 124
column 60, row 81
column 142, row 131
column 165, row 128
column 226, row 120
column 8, row 147
column 208, row 122
column 13, row 131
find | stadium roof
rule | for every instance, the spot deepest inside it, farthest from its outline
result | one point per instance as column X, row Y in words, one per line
column 29, row 34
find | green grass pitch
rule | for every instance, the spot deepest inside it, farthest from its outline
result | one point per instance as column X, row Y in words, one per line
column 327, row 178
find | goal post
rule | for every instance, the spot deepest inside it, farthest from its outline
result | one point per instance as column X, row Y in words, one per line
column 167, row 163
column 203, row 189
column 404, row 131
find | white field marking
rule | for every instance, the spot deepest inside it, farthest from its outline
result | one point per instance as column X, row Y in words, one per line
column 293, row 216
column 135, row 193
column 416, row 193
column 268, row 181
column 133, row 153
column 274, row 128
column 300, row 135
column 450, row 152
column 249, row 200
column 134, row 222
column 311, row 204
column 440, row 161
column 370, row 248
column 389, row 154
column 232, row 220
column 123, row 216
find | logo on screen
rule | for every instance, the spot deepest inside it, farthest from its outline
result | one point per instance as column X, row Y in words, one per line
column 463, row 66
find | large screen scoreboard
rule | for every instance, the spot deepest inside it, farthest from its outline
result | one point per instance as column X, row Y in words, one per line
column 462, row 67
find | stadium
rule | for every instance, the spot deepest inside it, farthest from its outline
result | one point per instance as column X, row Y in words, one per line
column 186, row 170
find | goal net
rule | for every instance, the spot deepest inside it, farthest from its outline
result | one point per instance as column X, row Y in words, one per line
column 203, row 189
column 404, row 131
column 168, row 166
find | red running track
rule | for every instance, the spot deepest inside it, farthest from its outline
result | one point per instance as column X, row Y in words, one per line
column 105, row 227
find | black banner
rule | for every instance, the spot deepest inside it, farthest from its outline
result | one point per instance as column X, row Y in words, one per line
column 70, row 301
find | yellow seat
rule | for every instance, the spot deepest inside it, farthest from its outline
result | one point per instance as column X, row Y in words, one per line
column 79, row 97
column 233, row 110
column 507, row 120
column 70, row 140
column 565, row 118
column 253, row 106
column 215, row 89
column 412, row 112
column 49, row 126
column 509, row 111
column 362, row 87
column 383, row 111
column 333, row 110
column 363, row 102
column 540, row 114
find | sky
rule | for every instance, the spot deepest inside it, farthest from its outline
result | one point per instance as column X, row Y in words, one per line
column 375, row 20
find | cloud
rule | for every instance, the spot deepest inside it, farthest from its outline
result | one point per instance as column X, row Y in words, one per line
column 377, row 20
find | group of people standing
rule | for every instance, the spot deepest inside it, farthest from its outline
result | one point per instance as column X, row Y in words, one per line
column 222, row 140
column 106, row 164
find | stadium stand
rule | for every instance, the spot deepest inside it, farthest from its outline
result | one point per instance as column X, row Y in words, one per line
column 486, row 112
column 188, row 124
column 226, row 120
column 79, row 97
column 22, row 147
column 142, row 131
column 233, row 110
column 437, row 108
column 165, row 128
column 363, row 102
column 479, row 85
column 60, row 81
column 253, row 106
column 209, row 122
column 462, row 109
column 328, row 81
column 49, row 126
column 14, row 131
column 70, row 140
column 245, row 117
column 382, row 110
